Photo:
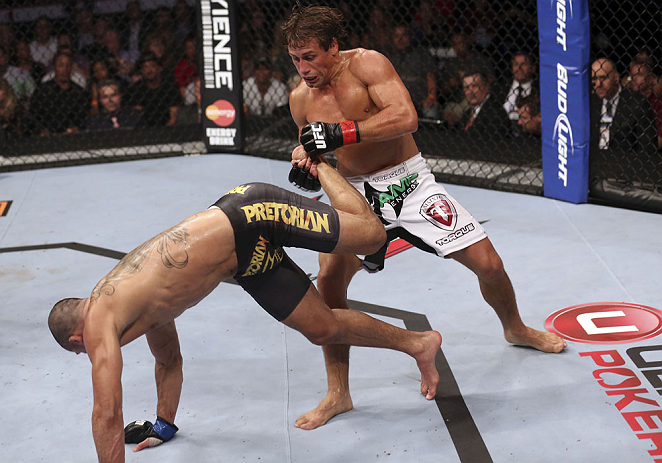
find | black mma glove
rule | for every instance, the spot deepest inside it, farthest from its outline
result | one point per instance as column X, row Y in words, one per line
column 319, row 137
column 161, row 431
column 302, row 178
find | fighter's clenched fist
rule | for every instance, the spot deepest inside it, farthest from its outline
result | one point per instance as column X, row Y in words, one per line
column 319, row 137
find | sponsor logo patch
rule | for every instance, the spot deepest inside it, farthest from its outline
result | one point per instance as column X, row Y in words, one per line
column 263, row 260
column 241, row 189
column 394, row 195
column 290, row 215
column 439, row 211
column 221, row 113
column 394, row 173
column 456, row 234
column 606, row 323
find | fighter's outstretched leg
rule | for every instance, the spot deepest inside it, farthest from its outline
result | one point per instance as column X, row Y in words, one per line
column 336, row 271
column 326, row 327
column 482, row 259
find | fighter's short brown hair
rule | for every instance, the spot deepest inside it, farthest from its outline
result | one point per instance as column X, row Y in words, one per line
column 314, row 22
column 63, row 320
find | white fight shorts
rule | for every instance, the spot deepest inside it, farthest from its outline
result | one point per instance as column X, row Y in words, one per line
column 413, row 206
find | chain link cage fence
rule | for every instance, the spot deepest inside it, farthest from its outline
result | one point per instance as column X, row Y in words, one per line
column 96, row 81
column 470, row 67
column 626, row 103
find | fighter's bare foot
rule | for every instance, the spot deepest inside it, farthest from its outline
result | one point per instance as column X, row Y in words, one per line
column 425, row 361
column 541, row 340
column 327, row 409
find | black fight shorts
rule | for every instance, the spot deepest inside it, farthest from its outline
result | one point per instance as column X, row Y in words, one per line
column 266, row 218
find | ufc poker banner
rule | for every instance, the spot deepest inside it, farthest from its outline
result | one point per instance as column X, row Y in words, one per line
column 563, row 29
column 220, row 79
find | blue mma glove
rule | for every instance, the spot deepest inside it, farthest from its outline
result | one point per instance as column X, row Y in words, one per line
column 161, row 431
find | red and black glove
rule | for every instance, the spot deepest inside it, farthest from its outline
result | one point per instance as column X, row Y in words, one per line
column 319, row 137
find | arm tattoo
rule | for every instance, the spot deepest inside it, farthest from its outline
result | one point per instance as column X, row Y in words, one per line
column 168, row 244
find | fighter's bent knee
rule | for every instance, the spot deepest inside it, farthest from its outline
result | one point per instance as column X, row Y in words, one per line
column 322, row 335
column 373, row 235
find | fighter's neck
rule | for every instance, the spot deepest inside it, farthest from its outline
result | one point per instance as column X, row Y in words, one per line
column 338, row 68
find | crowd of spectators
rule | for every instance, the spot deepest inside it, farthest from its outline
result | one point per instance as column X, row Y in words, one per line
column 98, row 71
column 469, row 65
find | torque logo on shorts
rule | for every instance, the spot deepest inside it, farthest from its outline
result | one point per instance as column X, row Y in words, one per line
column 606, row 323
column 262, row 260
column 394, row 196
column 439, row 211
column 289, row 215
column 456, row 234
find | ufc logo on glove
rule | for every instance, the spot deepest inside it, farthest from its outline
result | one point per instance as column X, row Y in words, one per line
column 318, row 135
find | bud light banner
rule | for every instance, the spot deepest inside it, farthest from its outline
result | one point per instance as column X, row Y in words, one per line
column 563, row 28
column 220, row 77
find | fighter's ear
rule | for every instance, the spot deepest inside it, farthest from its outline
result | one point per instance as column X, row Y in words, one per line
column 334, row 47
column 76, row 343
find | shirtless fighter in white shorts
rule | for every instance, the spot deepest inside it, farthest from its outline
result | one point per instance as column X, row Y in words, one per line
column 353, row 102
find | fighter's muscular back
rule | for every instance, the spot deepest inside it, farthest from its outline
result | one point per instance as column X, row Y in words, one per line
column 160, row 279
column 359, row 85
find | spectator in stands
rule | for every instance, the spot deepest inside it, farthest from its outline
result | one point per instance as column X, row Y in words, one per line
column 113, row 115
column 191, row 113
column 59, row 105
column 486, row 120
column 44, row 45
column 642, row 80
column 135, row 29
column 184, row 26
column 24, row 61
column 162, row 25
column 79, row 74
column 85, row 33
column 255, row 30
column 156, row 45
column 480, row 20
column 22, row 84
column 80, row 62
column 10, row 113
column 8, row 39
column 97, row 49
column 186, row 70
column 429, row 27
column 120, row 61
column 453, row 73
column 101, row 71
column 417, row 69
column 376, row 34
column 521, row 85
column 621, row 119
column 529, row 115
column 262, row 92
column 155, row 94
column 351, row 15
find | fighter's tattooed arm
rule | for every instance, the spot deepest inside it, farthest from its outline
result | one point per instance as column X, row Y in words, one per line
column 171, row 245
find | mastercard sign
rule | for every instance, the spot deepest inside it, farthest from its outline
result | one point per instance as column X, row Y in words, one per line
column 221, row 113
column 606, row 323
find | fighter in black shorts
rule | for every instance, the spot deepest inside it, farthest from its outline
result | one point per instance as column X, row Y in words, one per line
column 241, row 237
column 264, row 219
